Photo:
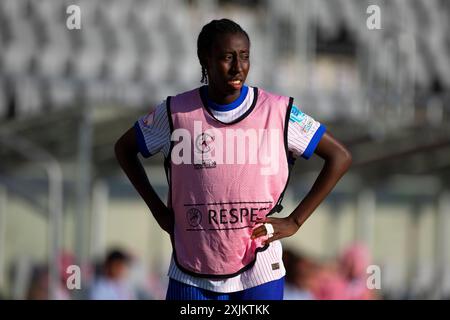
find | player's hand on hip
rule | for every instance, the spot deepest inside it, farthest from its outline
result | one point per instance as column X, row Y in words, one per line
column 276, row 228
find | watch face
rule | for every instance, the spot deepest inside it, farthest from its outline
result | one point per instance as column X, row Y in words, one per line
column 204, row 142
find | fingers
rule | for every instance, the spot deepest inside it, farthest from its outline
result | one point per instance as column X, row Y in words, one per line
column 281, row 229
column 259, row 232
column 271, row 239
column 262, row 230
column 275, row 235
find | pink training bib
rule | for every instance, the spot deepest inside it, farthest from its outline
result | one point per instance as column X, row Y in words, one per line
column 224, row 180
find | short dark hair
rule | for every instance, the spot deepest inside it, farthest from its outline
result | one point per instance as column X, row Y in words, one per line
column 117, row 255
column 208, row 35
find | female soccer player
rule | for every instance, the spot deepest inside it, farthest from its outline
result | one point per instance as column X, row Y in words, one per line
column 228, row 149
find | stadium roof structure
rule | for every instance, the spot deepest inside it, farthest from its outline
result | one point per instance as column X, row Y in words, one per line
column 419, row 149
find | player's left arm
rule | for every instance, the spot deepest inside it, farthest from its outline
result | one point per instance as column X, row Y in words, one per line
column 337, row 162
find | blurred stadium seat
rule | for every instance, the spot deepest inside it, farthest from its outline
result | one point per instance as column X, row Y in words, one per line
column 127, row 41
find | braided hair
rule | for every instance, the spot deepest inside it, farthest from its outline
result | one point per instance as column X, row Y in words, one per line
column 209, row 34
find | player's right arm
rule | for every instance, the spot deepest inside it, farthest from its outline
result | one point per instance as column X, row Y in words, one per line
column 126, row 151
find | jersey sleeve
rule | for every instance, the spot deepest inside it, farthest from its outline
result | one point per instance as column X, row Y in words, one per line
column 153, row 132
column 304, row 133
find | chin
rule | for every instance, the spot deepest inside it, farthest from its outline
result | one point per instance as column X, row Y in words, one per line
column 233, row 89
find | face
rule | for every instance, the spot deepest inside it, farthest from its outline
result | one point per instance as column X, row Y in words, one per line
column 228, row 64
column 118, row 269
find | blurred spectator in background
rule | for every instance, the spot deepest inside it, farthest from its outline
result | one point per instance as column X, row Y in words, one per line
column 353, row 266
column 38, row 287
column 112, row 283
column 346, row 279
column 66, row 259
column 299, row 275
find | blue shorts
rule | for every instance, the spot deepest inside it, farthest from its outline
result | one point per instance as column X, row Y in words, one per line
column 272, row 290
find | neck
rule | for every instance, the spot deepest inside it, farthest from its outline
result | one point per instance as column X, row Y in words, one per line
column 219, row 97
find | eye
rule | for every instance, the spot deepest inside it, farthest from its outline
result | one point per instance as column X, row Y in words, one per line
column 245, row 56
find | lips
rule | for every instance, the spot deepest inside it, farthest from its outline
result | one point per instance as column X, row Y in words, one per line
column 235, row 83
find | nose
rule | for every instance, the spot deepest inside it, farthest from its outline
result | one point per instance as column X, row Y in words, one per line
column 237, row 65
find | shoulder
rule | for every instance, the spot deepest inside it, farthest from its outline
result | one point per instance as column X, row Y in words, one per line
column 187, row 93
column 185, row 101
column 264, row 95
column 154, row 115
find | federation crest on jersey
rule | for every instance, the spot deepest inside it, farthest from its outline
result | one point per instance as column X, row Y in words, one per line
column 194, row 217
column 204, row 144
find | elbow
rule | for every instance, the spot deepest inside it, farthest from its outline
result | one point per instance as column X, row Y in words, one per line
column 345, row 159
column 341, row 160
